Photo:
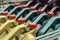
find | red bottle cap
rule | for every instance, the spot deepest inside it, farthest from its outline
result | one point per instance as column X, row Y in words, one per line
column 12, row 17
column 21, row 20
column 40, row 11
column 5, row 13
column 16, row 4
column 32, row 8
column 32, row 25
column 51, row 14
column 24, row 6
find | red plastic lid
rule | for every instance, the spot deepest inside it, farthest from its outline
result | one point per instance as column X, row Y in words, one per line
column 32, row 25
column 51, row 14
column 13, row 16
column 24, row 6
column 40, row 11
column 32, row 8
column 5, row 13
column 16, row 4
column 21, row 20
